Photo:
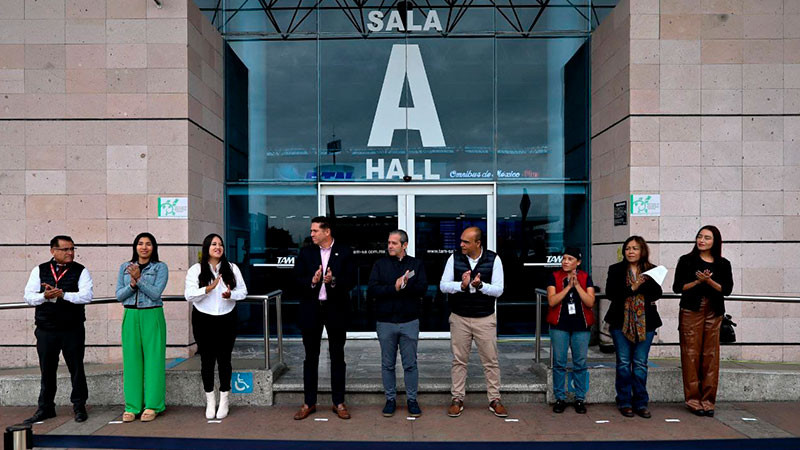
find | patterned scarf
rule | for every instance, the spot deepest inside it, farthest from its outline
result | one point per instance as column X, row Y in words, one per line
column 633, row 325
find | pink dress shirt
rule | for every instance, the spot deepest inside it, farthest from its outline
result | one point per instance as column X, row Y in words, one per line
column 325, row 255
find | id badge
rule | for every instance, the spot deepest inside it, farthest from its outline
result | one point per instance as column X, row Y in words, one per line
column 571, row 309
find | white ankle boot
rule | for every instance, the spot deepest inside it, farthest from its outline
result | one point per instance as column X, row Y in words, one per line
column 222, row 412
column 211, row 405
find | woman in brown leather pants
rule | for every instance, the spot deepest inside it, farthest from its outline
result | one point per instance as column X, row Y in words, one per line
column 703, row 278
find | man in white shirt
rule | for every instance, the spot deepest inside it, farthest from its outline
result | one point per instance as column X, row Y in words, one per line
column 473, row 278
column 59, row 289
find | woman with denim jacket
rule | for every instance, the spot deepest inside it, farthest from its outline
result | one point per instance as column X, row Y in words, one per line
column 144, row 330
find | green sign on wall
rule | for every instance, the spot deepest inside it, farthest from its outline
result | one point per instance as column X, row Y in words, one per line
column 173, row 208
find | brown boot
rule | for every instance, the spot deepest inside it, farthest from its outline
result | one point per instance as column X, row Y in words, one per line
column 456, row 407
column 497, row 408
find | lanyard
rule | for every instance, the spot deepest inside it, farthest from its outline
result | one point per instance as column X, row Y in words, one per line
column 57, row 278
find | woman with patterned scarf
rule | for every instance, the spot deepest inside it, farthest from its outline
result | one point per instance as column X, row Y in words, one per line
column 633, row 319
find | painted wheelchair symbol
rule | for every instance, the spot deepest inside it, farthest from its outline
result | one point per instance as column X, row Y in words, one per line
column 242, row 382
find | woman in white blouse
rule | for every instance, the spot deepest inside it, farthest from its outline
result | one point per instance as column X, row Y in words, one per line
column 213, row 286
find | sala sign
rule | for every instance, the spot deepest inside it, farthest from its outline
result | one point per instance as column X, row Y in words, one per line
column 395, row 22
column 405, row 63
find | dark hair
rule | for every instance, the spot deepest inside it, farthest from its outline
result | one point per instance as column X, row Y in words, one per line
column 716, row 247
column 575, row 252
column 154, row 255
column 403, row 235
column 206, row 277
column 323, row 221
column 644, row 258
column 60, row 237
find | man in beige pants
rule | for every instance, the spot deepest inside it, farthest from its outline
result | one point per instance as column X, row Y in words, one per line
column 473, row 278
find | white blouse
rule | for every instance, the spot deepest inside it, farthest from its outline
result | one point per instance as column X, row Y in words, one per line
column 213, row 303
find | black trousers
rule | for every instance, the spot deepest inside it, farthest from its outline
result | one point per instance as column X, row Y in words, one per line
column 215, row 336
column 311, row 342
column 51, row 343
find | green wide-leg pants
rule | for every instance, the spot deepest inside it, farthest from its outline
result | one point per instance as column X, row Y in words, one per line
column 144, row 348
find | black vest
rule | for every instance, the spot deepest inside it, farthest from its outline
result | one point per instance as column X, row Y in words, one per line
column 466, row 304
column 62, row 314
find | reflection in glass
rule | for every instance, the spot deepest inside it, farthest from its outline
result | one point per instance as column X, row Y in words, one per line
column 363, row 223
column 534, row 224
column 282, row 104
column 534, row 102
column 266, row 226
column 439, row 223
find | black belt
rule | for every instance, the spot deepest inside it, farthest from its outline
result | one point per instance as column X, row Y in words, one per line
column 141, row 307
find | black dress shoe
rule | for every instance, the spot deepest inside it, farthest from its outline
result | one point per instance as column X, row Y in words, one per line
column 709, row 413
column 627, row 412
column 40, row 415
column 580, row 407
column 80, row 414
column 644, row 413
column 698, row 412
column 560, row 406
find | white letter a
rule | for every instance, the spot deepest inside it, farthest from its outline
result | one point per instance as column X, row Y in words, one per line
column 406, row 61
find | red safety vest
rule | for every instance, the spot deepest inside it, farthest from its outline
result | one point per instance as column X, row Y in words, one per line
column 555, row 311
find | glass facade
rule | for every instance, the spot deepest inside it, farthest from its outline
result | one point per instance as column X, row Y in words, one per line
column 420, row 94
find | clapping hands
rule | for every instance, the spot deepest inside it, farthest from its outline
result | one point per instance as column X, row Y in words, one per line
column 52, row 293
column 704, row 276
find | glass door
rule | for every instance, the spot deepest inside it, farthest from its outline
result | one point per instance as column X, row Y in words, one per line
column 433, row 216
column 438, row 223
column 362, row 222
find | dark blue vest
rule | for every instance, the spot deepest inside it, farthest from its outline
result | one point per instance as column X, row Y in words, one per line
column 466, row 304
column 62, row 314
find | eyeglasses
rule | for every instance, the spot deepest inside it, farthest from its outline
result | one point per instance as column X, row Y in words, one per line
column 65, row 249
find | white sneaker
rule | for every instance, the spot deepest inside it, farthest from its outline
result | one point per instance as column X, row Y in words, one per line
column 222, row 412
column 211, row 405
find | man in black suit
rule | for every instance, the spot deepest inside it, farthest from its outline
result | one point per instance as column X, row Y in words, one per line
column 326, row 274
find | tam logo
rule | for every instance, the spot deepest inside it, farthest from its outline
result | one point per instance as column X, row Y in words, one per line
column 285, row 259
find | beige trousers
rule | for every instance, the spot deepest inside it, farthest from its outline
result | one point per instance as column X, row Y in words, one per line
column 483, row 330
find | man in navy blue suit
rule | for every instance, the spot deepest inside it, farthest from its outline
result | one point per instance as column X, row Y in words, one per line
column 325, row 272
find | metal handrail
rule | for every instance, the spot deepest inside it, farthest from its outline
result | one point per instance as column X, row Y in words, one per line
column 542, row 293
column 265, row 299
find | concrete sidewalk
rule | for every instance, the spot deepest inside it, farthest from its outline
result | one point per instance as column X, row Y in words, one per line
column 535, row 422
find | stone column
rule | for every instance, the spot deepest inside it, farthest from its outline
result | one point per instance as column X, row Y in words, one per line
column 700, row 102
column 105, row 106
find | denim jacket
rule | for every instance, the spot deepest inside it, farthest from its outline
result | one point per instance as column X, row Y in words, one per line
column 150, row 285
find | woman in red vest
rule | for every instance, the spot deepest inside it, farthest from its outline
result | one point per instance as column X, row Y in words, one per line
column 570, row 294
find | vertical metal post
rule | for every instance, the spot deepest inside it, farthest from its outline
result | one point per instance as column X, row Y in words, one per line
column 266, row 334
column 280, row 327
column 538, row 347
column 18, row 437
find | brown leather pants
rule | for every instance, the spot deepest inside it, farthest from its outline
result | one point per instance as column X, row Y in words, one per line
column 699, row 334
